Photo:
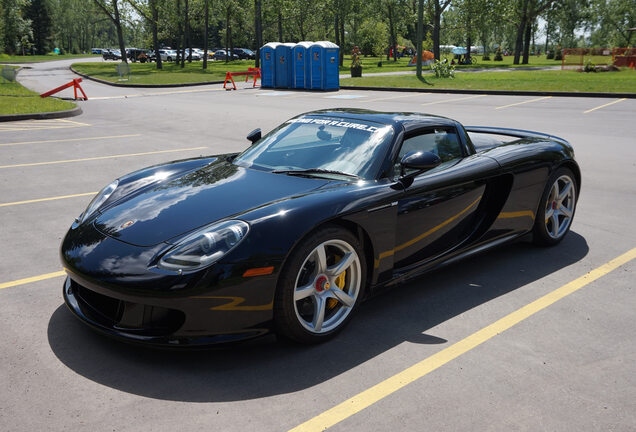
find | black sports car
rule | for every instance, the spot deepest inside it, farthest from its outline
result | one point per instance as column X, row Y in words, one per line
column 291, row 234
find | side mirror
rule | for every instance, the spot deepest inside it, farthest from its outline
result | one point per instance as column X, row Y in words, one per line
column 254, row 136
column 421, row 161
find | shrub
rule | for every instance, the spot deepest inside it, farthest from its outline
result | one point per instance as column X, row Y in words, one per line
column 589, row 66
column 558, row 55
column 485, row 57
column 498, row 56
column 550, row 55
column 443, row 69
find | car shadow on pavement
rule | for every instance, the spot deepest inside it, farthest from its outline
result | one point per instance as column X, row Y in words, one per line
column 263, row 367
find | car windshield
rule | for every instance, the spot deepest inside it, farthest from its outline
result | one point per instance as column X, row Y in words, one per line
column 316, row 143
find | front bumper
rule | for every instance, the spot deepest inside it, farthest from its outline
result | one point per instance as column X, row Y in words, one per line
column 186, row 321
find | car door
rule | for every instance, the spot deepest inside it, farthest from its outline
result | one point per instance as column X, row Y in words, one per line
column 439, row 210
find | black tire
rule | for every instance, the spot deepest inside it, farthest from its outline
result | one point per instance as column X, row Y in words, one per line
column 296, row 319
column 550, row 232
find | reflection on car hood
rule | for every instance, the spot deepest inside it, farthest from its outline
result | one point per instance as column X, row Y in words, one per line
column 179, row 205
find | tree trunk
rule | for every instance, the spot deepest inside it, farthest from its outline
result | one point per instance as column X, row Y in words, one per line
column 120, row 34
column 392, row 35
column 185, row 33
column 227, row 34
column 523, row 19
column 526, row 43
column 336, row 27
column 420, row 36
column 155, row 40
column 437, row 22
column 342, row 40
column 280, row 26
column 206, row 21
column 179, row 32
column 547, row 33
column 258, row 27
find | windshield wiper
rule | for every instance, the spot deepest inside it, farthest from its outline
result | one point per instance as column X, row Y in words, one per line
column 310, row 171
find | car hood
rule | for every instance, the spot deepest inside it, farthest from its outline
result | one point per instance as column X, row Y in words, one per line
column 164, row 211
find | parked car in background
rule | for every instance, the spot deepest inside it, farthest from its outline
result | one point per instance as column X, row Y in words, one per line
column 195, row 55
column 137, row 54
column 109, row 54
column 244, row 53
column 96, row 50
column 222, row 54
column 168, row 55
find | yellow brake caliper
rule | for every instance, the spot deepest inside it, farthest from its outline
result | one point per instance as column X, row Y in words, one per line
column 340, row 283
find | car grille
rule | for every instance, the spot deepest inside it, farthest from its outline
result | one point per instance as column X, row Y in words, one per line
column 131, row 317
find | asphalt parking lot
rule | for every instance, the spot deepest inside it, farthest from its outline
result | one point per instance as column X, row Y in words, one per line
column 567, row 365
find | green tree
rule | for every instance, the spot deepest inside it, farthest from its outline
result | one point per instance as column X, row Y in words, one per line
column 373, row 36
column 150, row 12
column 17, row 28
column 112, row 12
column 38, row 11
column 610, row 22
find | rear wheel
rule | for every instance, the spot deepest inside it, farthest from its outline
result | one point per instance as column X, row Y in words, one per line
column 556, row 209
column 320, row 287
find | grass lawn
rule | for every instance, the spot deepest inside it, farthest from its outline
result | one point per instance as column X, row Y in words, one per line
column 567, row 80
column 370, row 64
column 4, row 58
column 147, row 73
column 15, row 99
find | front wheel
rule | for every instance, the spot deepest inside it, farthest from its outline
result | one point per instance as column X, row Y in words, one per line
column 320, row 286
column 556, row 210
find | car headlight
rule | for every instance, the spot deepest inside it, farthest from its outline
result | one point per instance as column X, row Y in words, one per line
column 205, row 246
column 99, row 199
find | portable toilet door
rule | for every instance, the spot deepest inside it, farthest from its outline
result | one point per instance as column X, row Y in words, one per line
column 315, row 67
column 299, row 54
column 331, row 69
column 283, row 68
column 268, row 64
column 330, row 65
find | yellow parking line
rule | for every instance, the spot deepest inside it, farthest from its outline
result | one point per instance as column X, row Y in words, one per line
column 391, row 97
column 603, row 106
column 385, row 388
column 453, row 100
column 15, row 128
column 155, row 93
column 31, row 279
column 185, row 91
column 100, row 157
column 46, row 199
column 69, row 140
column 524, row 102
column 116, row 97
column 41, row 125
column 73, row 122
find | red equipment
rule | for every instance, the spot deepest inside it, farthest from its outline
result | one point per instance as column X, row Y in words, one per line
column 74, row 84
column 255, row 72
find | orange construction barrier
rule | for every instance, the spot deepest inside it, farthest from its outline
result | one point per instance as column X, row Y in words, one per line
column 74, row 84
column 255, row 72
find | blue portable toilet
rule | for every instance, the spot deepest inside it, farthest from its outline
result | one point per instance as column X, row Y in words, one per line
column 300, row 62
column 283, row 69
column 268, row 64
column 324, row 71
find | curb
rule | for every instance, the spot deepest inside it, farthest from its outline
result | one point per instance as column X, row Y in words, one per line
column 101, row 81
column 498, row 92
column 41, row 116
